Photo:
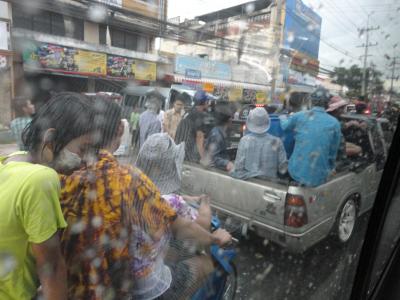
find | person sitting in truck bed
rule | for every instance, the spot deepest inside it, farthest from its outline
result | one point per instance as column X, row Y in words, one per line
column 336, row 108
column 317, row 139
column 259, row 154
column 217, row 142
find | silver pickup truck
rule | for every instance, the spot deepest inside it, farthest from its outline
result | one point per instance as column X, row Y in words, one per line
column 290, row 215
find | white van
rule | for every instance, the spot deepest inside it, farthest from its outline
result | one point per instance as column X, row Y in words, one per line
column 135, row 96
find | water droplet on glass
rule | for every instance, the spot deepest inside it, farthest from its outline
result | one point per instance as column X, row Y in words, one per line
column 97, row 13
column 97, row 221
column 7, row 264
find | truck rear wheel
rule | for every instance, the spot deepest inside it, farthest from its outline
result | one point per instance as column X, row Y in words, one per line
column 346, row 221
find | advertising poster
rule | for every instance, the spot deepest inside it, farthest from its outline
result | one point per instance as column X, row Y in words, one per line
column 222, row 92
column 91, row 62
column 60, row 59
column 261, row 97
column 121, row 67
column 302, row 29
column 249, row 96
column 235, row 94
column 207, row 68
column 57, row 58
column 145, row 70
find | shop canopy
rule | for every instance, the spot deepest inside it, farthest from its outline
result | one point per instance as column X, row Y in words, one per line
column 176, row 78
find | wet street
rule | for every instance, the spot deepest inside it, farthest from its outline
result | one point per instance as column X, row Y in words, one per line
column 266, row 271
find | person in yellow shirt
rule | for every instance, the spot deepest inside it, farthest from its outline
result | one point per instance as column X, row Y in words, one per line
column 30, row 212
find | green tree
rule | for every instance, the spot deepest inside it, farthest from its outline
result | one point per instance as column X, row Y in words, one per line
column 352, row 78
column 374, row 81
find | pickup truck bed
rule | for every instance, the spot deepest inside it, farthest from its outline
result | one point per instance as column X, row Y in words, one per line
column 281, row 211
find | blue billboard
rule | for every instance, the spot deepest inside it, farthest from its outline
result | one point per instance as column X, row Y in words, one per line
column 302, row 30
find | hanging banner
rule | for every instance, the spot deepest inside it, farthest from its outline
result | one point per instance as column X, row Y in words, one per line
column 60, row 59
column 190, row 73
column 145, row 70
column 120, row 67
column 64, row 59
column 91, row 62
column 261, row 97
column 207, row 68
column 249, row 96
column 222, row 92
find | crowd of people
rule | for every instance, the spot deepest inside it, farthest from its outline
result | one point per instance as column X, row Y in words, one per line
column 314, row 137
column 82, row 225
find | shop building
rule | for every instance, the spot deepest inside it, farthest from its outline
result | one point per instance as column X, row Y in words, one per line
column 82, row 46
column 270, row 43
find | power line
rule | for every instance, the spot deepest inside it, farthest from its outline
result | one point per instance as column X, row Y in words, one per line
column 332, row 4
column 343, row 26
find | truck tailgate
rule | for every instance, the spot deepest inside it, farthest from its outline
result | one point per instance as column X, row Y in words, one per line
column 255, row 200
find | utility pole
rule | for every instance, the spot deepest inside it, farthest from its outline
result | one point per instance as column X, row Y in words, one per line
column 366, row 46
column 393, row 65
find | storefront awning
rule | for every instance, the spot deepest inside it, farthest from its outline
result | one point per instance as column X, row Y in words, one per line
column 301, row 88
column 176, row 78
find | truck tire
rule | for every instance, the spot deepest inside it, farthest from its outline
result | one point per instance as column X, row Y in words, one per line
column 346, row 222
column 230, row 283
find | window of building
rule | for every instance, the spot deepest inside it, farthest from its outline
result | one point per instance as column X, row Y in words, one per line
column 123, row 39
column 48, row 22
column 74, row 28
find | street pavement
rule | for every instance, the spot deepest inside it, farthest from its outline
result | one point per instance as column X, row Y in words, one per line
column 324, row 272
column 268, row 272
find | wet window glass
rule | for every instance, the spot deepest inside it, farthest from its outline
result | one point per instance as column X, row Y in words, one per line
column 196, row 149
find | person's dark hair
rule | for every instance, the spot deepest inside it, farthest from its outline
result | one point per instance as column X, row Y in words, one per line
column 69, row 114
column 18, row 104
column 180, row 98
column 107, row 119
column 295, row 101
column 271, row 109
column 177, row 97
column 222, row 113
column 154, row 95
column 320, row 97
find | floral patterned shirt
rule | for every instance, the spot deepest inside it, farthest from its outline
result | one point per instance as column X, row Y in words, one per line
column 181, row 207
column 105, row 205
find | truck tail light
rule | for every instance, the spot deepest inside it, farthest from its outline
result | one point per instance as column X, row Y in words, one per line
column 295, row 211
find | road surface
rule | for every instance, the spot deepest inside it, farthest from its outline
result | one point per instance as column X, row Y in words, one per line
column 325, row 272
